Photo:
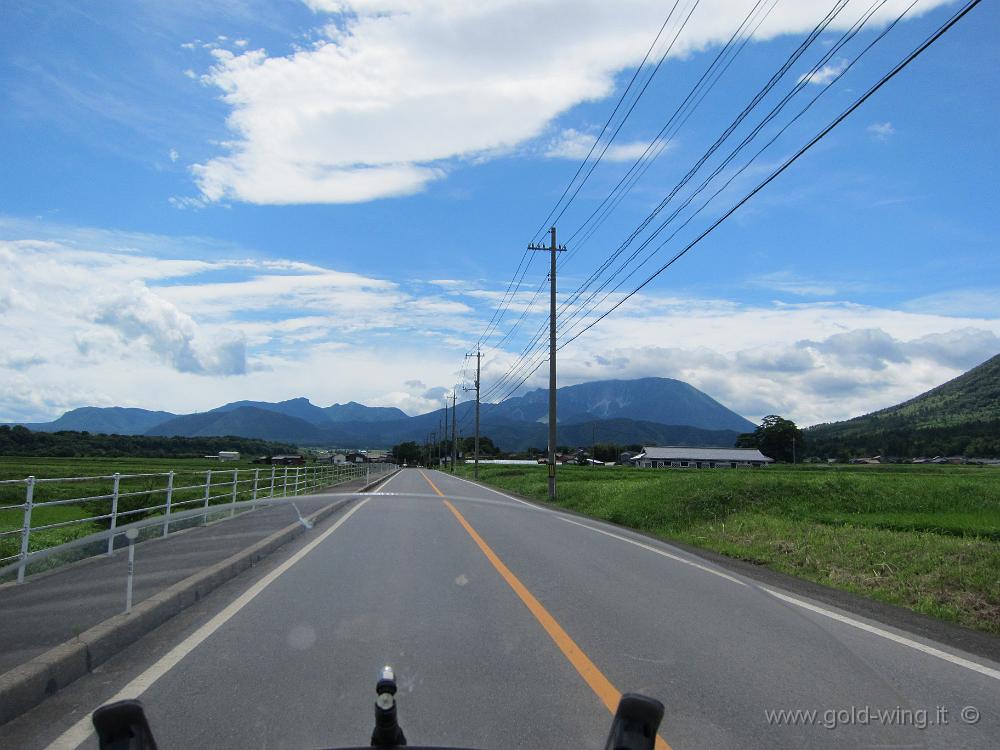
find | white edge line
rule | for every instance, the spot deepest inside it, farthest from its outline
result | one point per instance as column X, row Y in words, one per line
column 82, row 730
column 678, row 558
column 903, row 641
column 958, row 660
column 502, row 494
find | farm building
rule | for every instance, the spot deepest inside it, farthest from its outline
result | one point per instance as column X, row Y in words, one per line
column 680, row 457
column 225, row 456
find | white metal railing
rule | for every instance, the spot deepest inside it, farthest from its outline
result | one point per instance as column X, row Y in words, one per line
column 158, row 500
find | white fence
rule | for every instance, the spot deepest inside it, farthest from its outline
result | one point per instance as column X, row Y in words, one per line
column 157, row 500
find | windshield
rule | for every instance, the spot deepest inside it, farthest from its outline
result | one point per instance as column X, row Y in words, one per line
column 541, row 352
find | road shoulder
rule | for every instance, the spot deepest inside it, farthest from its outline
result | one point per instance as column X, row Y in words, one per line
column 890, row 615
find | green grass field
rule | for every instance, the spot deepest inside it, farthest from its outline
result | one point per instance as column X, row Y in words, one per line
column 927, row 538
column 189, row 472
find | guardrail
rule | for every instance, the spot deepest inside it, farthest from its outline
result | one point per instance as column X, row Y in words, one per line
column 171, row 498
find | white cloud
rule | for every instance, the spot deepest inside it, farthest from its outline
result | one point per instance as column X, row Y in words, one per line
column 174, row 156
column 392, row 91
column 964, row 303
column 139, row 315
column 138, row 329
column 825, row 74
column 572, row 144
column 881, row 130
column 791, row 283
column 812, row 362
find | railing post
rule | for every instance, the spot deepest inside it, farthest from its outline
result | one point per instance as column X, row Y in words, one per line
column 170, row 497
column 208, row 492
column 236, row 482
column 284, row 485
column 273, row 469
column 29, row 501
column 132, row 534
column 256, row 477
column 114, row 511
column 368, row 473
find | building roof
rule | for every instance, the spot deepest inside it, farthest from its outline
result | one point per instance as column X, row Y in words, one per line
column 681, row 453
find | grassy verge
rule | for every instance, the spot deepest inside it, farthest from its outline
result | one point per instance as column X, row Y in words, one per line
column 927, row 538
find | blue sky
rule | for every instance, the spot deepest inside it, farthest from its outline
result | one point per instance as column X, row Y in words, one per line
column 203, row 202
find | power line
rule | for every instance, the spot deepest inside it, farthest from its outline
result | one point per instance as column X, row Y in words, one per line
column 788, row 162
column 803, row 81
column 527, row 359
column 514, row 286
column 525, row 356
column 754, row 102
column 548, row 219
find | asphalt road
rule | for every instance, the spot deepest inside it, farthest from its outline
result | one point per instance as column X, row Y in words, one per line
column 514, row 626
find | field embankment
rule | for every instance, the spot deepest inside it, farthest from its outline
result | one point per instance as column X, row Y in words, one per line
column 926, row 538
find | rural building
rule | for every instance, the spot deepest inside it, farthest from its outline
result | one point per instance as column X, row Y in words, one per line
column 226, row 456
column 680, row 457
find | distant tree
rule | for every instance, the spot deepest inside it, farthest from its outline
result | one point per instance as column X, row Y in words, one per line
column 407, row 453
column 774, row 438
column 486, row 447
column 607, row 452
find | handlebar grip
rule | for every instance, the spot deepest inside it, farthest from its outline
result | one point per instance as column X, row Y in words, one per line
column 635, row 723
column 123, row 726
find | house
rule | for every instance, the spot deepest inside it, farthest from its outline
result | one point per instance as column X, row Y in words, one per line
column 682, row 457
column 356, row 458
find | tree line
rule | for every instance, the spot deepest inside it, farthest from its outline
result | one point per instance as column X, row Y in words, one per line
column 20, row 441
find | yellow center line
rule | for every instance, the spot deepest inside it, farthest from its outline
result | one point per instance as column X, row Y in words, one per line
column 601, row 685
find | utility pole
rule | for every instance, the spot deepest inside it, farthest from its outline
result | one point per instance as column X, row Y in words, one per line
column 479, row 357
column 454, row 435
column 552, row 249
column 444, row 448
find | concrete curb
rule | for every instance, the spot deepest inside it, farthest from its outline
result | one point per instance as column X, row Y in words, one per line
column 27, row 685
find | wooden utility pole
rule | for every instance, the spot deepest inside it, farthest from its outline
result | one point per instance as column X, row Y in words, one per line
column 552, row 249
column 479, row 358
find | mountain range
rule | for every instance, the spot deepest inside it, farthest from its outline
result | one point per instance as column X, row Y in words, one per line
column 647, row 410
column 960, row 417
